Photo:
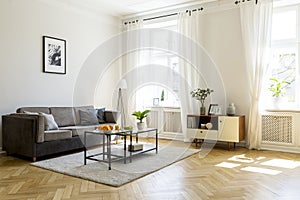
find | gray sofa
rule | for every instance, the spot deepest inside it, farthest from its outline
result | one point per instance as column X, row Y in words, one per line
column 39, row 131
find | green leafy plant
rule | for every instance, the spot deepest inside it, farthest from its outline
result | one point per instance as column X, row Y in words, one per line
column 277, row 87
column 201, row 94
column 140, row 115
column 162, row 96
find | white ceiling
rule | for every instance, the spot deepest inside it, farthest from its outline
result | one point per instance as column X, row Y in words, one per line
column 128, row 7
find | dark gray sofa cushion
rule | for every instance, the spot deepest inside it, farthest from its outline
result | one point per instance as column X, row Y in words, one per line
column 79, row 130
column 111, row 116
column 88, row 117
column 64, row 116
column 57, row 135
column 76, row 111
column 100, row 115
column 34, row 109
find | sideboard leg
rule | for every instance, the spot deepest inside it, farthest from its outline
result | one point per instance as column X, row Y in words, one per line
column 197, row 141
column 234, row 145
column 228, row 146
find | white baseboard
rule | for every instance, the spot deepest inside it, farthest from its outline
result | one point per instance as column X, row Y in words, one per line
column 188, row 140
column 168, row 136
column 280, row 148
column 238, row 144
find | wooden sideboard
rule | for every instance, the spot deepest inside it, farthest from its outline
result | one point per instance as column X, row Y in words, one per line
column 230, row 129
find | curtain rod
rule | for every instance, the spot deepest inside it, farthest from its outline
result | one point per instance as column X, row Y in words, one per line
column 163, row 16
column 169, row 15
column 173, row 14
column 242, row 1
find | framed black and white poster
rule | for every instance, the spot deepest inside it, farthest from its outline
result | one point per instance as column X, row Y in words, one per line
column 54, row 55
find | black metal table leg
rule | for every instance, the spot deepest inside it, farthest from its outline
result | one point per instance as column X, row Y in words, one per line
column 84, row 136
column 130, row 147
column 156, row 141
column 103, row 147
column 109, row 151
column 124, row 148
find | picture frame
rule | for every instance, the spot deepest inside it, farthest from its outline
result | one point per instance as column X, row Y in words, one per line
column 213, row 109
column 54, row 55
column 155, row 101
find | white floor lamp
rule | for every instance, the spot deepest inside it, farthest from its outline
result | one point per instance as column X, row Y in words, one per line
column 120, row 105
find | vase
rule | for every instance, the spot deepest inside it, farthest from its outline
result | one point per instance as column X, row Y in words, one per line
column 231, row 109
column 202, row 109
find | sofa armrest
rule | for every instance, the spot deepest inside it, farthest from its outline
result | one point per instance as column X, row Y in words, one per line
column 15, row 122
column 19, row 134
column 111, row 116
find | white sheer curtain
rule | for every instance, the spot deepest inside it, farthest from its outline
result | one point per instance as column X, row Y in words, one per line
column 189, row 25
column 256, row 22
column 131, row 59
column 130, row 62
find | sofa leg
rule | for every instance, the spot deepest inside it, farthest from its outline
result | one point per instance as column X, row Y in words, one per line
column 33, row 159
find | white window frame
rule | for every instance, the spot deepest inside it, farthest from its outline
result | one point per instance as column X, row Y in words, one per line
column 290, row 43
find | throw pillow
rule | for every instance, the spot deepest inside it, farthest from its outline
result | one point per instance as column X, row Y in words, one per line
column 31, row 113
column 111, row 116
column 100, row 115
column 88, row 117
column 50, row 123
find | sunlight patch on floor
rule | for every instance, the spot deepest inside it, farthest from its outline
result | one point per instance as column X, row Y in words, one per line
column 261, row 170
column 283, row 163
column 228, row 165
column 241, row 158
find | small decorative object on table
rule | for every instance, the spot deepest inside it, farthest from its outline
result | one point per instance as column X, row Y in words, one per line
column 135, row 147
column 231, row 109
column 209, row 125
column 140, row 115
column 201, row 94
column 213, row 108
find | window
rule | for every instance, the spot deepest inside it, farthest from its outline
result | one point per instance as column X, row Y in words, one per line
column 161, row 58
column 285, row 52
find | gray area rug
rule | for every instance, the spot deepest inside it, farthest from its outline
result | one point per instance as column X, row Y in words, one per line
column 120, row 173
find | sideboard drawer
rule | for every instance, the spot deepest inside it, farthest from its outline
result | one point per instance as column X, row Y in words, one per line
column 202, row 134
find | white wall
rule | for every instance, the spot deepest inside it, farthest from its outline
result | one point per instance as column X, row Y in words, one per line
column 22, row 25
column 222, row 39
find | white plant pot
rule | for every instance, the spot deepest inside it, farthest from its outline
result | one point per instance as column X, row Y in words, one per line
column 279, row 102
column 140, row 125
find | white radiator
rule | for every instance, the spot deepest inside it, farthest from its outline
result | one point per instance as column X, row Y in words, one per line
column 172, row 122
column 278, row 128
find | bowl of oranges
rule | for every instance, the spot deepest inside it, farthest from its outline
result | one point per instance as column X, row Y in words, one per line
column 108, row 128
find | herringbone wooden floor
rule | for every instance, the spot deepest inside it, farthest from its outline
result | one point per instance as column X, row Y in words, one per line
column 222, row 174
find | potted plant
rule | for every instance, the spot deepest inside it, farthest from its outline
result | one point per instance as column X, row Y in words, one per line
column 277, row 87
column 140, row 115
column 162, row 97
column 201, row 94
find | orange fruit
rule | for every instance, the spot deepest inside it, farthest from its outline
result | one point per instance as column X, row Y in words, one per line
column 117, row 127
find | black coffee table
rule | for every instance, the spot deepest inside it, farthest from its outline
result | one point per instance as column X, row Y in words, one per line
column 107, row 155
